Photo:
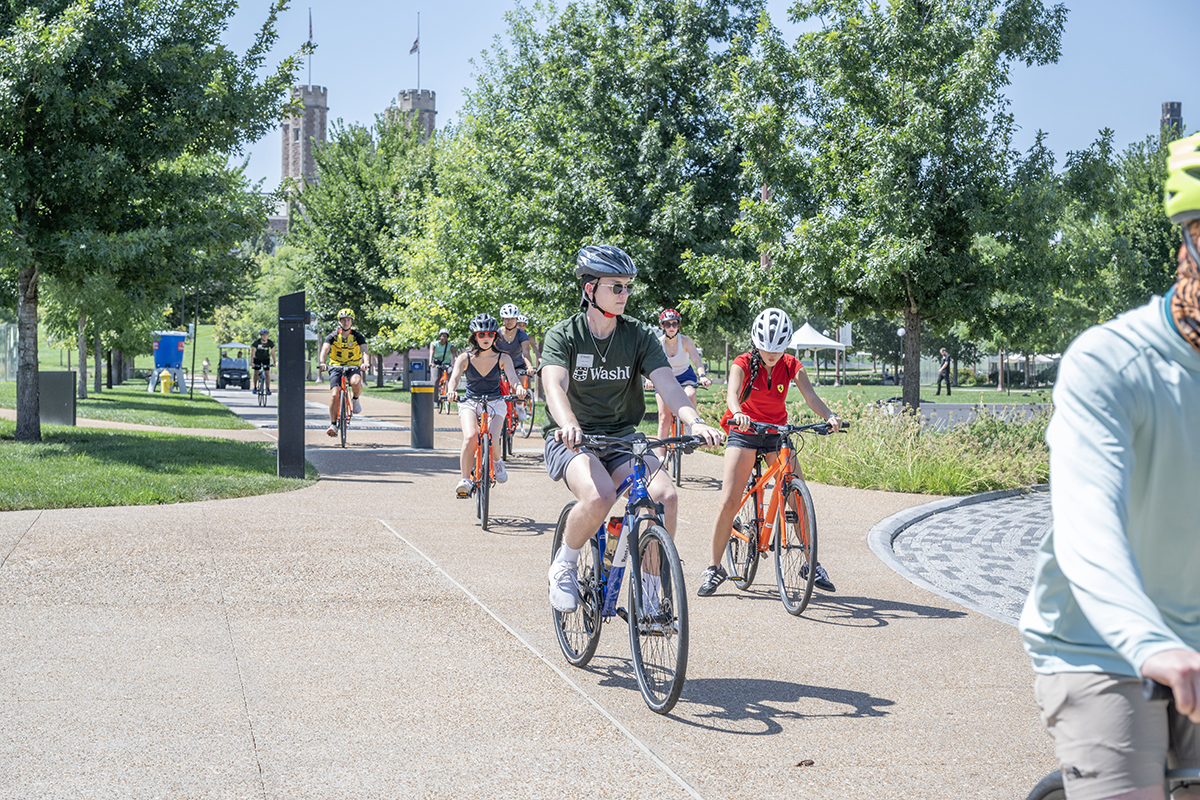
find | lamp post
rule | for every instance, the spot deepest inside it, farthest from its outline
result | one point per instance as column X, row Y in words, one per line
column 900, row 333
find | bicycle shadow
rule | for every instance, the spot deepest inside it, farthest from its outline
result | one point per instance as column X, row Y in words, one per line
column 701, row 483
column 757, row 707
column 518, row 526
column 855, row 612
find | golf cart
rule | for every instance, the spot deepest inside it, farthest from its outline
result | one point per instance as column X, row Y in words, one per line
column 231, row 367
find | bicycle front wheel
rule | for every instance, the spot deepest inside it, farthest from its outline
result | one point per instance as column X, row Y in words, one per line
column 796, row 547
column 1049, row 788
column 579, row 631
column 741, row 554
column 485, row 481
column 676, row 454
column 658, row 620
column 344, row 417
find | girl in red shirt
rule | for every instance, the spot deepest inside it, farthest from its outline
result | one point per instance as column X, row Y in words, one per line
column 758, row 386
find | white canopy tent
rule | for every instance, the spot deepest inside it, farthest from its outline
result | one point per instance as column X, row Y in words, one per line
column 808, row 338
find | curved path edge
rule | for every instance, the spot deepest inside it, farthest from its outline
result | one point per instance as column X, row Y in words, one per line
column 881, row 536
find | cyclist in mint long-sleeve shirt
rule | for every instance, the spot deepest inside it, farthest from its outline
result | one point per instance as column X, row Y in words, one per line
column 1116, row 592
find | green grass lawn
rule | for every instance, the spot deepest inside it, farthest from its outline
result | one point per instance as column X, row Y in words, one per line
column 78, row 468
column 130, row 402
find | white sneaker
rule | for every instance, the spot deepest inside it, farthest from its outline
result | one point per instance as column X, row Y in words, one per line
column 521, row 415
column 500, row 473
column 463, row 490
column 357, row 406
column 564, row 586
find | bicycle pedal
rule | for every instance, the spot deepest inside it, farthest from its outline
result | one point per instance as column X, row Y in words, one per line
column 623, row 614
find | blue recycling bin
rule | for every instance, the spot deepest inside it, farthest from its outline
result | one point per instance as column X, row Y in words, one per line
column 417, row 370
column 168, row 350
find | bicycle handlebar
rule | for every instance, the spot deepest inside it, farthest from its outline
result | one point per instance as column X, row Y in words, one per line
column 508, row 398
column 639, row 447
column 819, row 428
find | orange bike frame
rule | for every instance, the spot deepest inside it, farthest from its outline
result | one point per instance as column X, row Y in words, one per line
column 343, row 391
column 483, row 420
column 782, row 471
column 511, row 421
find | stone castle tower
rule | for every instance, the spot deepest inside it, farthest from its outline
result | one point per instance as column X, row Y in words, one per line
column 1171, row 124
column 422, row 103
column 299, row 133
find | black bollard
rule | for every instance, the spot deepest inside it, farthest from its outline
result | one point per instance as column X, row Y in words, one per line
column 292, row 318
column 421, row 404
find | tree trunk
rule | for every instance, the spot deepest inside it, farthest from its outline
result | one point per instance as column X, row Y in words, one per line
column 83, row 356
column 99, row 357
column 29, row 419
column 109, row 369
column 954, row 371
column 379, row 371
column 407, row 384
column 912, row 358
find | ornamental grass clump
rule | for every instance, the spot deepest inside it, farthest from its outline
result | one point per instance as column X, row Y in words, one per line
column 891, row 450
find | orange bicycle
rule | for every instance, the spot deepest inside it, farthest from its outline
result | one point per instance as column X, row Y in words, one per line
column 443, row 388
column 483, row 473
column 344, row 395
column 673, row 459
column 786, row 526
column 513, row 422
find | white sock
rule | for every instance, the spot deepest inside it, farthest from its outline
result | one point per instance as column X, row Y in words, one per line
column 567, row 555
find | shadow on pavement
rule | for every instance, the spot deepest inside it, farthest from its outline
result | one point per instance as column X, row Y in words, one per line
column 701, row 483
column 749, row 707
column 871, row 612
column 518, row 526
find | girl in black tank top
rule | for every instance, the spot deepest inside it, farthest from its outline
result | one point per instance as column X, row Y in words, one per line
column 482, row 365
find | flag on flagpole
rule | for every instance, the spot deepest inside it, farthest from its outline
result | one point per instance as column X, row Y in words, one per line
column 416, row 48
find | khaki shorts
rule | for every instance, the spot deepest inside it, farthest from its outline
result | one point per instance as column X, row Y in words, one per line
column 1108, row 739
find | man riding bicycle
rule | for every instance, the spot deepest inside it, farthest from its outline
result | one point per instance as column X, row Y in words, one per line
column 1115, row 594
column 514, row 341
column 264, row 356
column 346, row 349
column 592, row 368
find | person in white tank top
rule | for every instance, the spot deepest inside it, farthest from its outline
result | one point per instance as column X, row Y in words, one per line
column 685, row 363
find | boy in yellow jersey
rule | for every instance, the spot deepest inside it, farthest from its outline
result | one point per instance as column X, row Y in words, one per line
column 346, row 350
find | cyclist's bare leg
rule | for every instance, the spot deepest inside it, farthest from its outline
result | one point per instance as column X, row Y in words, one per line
column 470, row 428
column 593, row 487
column 739, row 463
column 356, row 384
column 1146, row 793
column 495, row 426
column 333, row 404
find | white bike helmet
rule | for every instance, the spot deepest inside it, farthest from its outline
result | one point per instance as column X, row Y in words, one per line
column 509, row 311
column 771, row 331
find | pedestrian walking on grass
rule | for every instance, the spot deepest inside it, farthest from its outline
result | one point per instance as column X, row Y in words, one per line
column 944, row 373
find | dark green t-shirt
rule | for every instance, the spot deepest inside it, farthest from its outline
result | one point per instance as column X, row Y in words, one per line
column 604, row 376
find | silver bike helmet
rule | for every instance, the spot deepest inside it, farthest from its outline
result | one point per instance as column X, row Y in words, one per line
column 603, row 261
column 509, row 311
column 772, row 331
column 484, row 323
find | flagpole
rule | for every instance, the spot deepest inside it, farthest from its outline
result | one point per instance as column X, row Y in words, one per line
column 418, row 53
column 310, row 47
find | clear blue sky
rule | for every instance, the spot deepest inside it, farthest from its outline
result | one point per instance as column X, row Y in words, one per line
column 1113, row 71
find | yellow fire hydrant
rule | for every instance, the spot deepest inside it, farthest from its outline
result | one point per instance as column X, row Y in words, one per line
column 165, row 381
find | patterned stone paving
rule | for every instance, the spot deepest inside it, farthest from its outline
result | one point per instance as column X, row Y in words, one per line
column 983, row 553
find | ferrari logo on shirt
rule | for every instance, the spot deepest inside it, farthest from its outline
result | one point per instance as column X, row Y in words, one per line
column 782, row 388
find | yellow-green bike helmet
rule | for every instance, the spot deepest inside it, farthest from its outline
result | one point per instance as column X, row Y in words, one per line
column 1182, row 196
column 345, row 312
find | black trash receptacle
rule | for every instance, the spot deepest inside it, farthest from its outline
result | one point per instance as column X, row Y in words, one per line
column 422, row 406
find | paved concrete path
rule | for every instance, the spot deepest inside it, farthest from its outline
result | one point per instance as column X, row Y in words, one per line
column 364, row 638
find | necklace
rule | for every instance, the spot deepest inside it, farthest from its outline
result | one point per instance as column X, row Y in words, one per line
column 604, row 355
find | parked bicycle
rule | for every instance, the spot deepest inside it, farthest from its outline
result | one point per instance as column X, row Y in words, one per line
column 345, row 410
column 1051, row 786
column 483, row 473
column 786, row 526
column 657, row 601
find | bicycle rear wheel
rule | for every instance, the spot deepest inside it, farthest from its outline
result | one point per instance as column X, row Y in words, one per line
column 579, row 631
column 658, row 620
column 796, row 548
column 530, row 411
column 506, row 436
column 262, row 389
column 741, row 554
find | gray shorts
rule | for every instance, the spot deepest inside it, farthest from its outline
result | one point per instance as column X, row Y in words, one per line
column 557, row 456
column 1108, row 739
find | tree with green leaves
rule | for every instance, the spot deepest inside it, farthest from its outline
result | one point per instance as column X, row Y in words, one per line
column 602, row 122
column 101, row 103
column 893, row 125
